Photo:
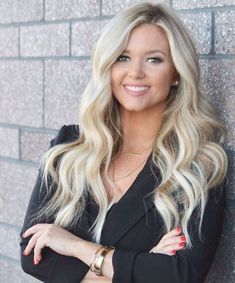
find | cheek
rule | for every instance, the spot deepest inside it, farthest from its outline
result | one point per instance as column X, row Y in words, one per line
column 117, row 73
column 116, row 77
column 164, row 78
column 114, row 73
column 113, row 77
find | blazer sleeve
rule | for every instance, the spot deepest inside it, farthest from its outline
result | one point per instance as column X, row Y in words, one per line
column 53, row 268
column 186, row 265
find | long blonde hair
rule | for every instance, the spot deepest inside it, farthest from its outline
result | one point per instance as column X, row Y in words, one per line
column 190, row 160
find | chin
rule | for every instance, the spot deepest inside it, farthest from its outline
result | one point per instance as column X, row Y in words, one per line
column 133, row 109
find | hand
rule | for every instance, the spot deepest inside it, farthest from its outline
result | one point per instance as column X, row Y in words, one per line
column 52, row 236
column 170, row 243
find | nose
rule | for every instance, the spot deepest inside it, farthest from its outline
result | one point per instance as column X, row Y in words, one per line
column 136, row 70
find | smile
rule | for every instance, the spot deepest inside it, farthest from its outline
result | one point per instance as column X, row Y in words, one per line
column 136, row 90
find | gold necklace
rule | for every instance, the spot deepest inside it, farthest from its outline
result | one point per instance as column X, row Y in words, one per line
column 128, row 152
column 125, row 176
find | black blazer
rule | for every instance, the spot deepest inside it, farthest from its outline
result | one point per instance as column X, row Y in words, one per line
column 133, row 226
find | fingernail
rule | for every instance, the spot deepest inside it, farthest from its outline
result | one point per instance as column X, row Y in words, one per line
column 183, row 238
column 173, row 252
column 24, row 253
column 181, row 244
column 35, row 262
column 178, row 229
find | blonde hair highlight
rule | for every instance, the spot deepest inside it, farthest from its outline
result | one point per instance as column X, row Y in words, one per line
column 189, row 159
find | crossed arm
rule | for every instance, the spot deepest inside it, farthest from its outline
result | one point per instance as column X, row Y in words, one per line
column 65, row 243
column 61, row 256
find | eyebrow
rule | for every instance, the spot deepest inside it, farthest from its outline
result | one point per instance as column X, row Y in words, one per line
column 149, row 52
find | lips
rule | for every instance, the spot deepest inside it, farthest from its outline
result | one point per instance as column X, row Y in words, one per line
column 136, row 90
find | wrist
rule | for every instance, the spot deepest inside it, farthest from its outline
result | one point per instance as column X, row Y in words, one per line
column 76, row 247
column 98, row 259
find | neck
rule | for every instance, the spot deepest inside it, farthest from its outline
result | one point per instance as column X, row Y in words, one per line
column 139, row 128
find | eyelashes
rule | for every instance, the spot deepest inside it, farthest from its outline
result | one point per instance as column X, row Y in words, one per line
column 122, row 58
column 155, row 59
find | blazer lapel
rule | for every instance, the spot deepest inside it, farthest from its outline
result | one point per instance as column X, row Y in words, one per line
column 134, row 204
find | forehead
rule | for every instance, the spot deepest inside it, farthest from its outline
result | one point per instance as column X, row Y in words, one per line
column 147, row 36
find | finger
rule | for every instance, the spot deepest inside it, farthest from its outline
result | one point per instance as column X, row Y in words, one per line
column 170, row 243
column 175, row 247
column 166, row 242
column 174, row 240
column 32, row 243
column 170, row 249
column 175, row 243
column 179, row 246
column 33, row 230
column 40, row 244
column 173, row 232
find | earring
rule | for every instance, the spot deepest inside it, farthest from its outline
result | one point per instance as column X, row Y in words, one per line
column 176, row 83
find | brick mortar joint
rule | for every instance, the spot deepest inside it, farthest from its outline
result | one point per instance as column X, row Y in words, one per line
column 57, row 21
column 195, row 10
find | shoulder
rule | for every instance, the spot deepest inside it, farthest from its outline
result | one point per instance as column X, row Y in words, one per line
column 66, row 134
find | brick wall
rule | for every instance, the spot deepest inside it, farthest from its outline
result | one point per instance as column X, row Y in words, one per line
column 44, row 67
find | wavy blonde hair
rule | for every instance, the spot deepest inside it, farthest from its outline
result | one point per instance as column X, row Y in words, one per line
column 190, row 160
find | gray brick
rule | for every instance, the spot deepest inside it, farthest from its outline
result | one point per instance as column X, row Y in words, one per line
column 16, row 184
column 21, row 11
column 186, row 4
column 217, row 82
column 65, row 82
column 34, row 145
column 11, row 271
column 11, row 247
column 111, row 7
column 199, row 25
column 84, row 35
column 222, row 269
column 9, row 42
column 225, row 32
column 9, row 142
column 21, row 93
column 69, row 9
column 44, row 40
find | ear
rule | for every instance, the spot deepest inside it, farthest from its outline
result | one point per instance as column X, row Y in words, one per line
column 176, row 80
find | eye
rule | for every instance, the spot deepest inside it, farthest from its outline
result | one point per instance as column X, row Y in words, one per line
column 155, row 59
column 122, row 58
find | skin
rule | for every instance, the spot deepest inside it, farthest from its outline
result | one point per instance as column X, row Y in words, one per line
column 136, row 113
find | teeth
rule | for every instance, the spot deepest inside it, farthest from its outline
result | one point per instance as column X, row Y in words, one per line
column 137, row 88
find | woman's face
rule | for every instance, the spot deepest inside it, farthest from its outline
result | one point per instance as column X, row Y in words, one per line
column 143, row 74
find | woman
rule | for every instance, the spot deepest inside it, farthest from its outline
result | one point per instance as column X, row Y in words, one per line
column 135, row 192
